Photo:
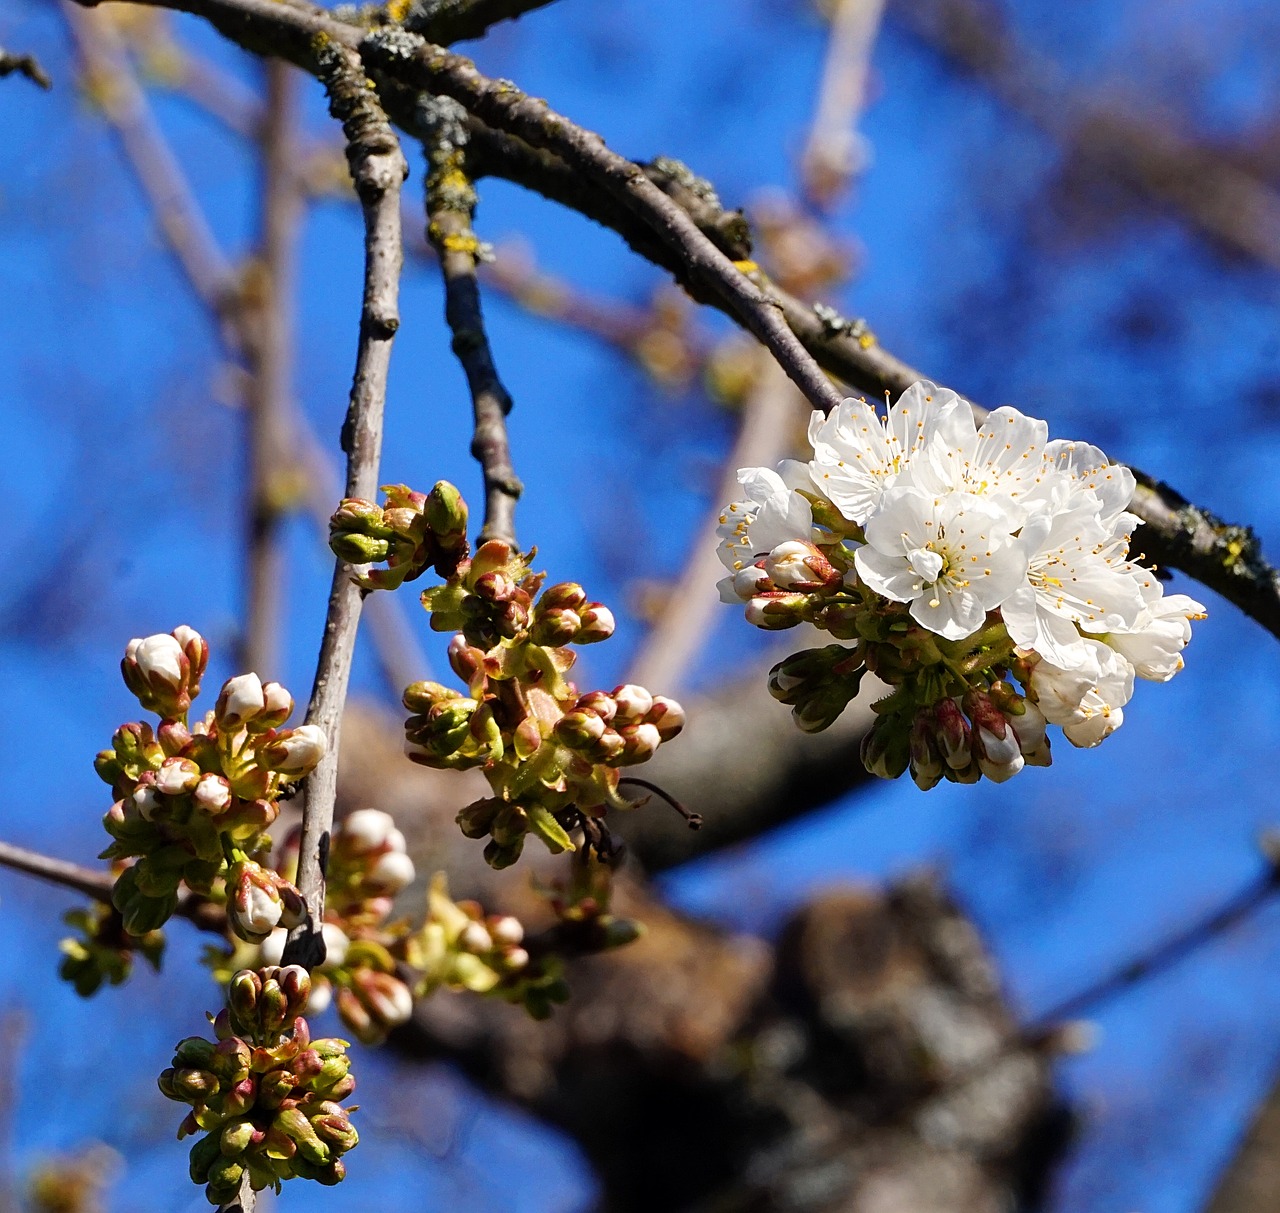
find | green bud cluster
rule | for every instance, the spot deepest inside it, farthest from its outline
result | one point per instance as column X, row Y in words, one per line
column 459, row 947
column 410, row 531
column 549, row 753
column 192, row 799
column 104, row 951
column 264, row 1094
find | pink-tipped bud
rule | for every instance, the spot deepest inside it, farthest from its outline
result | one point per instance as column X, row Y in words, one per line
column 177, row 776
column 254, row 906
column 634, row 702
column 579, row 729
column 213, row 793
column 667, row 716
column 641, row 743
column 494, row 586
column 240, row 701
column 798, row 565
column 277, row 707
column 598, row 624
column 567, row 595
column 601, row 704
column 952, row 734
column 295, row 752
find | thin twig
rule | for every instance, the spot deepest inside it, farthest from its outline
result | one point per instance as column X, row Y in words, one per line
column 447, row 21
column 834, row 154
column 691, row 604
column 97, row 884
column 451, row 201
column 268, row 334
column 378, row 169
column 433, row 69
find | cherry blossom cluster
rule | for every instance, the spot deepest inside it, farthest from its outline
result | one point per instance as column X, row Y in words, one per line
column 194, row 798
column 265, row 1095
column 983, row 572
column 551, row 755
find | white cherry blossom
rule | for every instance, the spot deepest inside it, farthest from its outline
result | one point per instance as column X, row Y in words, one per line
column 1155, row 640
column 1072, row 578
column 770, row 513
column 857, row 457
column 1086, row 700
column 953, row 558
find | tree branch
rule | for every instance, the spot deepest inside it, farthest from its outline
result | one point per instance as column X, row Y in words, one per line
column 378, row 169
column 446, row 21
column 451, row 201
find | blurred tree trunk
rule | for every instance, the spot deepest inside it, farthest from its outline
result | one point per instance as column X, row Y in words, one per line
column 864, row 1063
column 1251, row 1183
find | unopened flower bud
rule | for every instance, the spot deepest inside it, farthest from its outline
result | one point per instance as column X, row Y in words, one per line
column 633, row 701
column 953, row 734
column 160, row 661
column 366, row 830
column 566, row 595
column 641, row 742
column 750, row 581
column 474, row 938
column 446, row 514
column 598, row 624
column 177, row 776
column 556, row 626
column 336, row 944
column 147, row 801
column 886, row 749
column 212, row 793
column 579, row 729
column 798, row 565
column 774, row 612
column 295, row 752
column 601, row 704
column 465, row 661
column 277, row 707
column 390, row 872
column 240, row 701
column 254, row 906
column 667, row 716
column 506, row 931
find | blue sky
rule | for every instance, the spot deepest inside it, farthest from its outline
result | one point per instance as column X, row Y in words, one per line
column 122, row 482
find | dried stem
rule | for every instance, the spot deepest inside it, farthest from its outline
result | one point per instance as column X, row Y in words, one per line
column 451, row 202
column 378, row 169
column 834, row 154
column 691, row 603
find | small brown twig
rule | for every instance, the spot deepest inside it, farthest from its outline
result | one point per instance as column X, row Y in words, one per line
column 378, row 169
column 451, row 200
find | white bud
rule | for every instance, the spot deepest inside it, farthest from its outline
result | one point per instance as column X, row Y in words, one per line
column 391, row 872
column 296, row 752
column 474, row 938
column 746, row 582
column 276, row 700
column 177, row 776
column 240, row 701
column 366, row 829
column 212, row 793
column 506, row 931
column 159, row 659
column 321, row 996
column 271, row 949
column 336, row 944
column 633, row 701
column 147, row 800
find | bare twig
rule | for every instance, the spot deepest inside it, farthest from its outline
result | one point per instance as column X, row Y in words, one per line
column 691, row 603
column 268, row 337
column 499, row 103
column 451, row 200
column 446, row 21
column 378, row 169
column 834, row 154
column 23, row 65
column 204, row 914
